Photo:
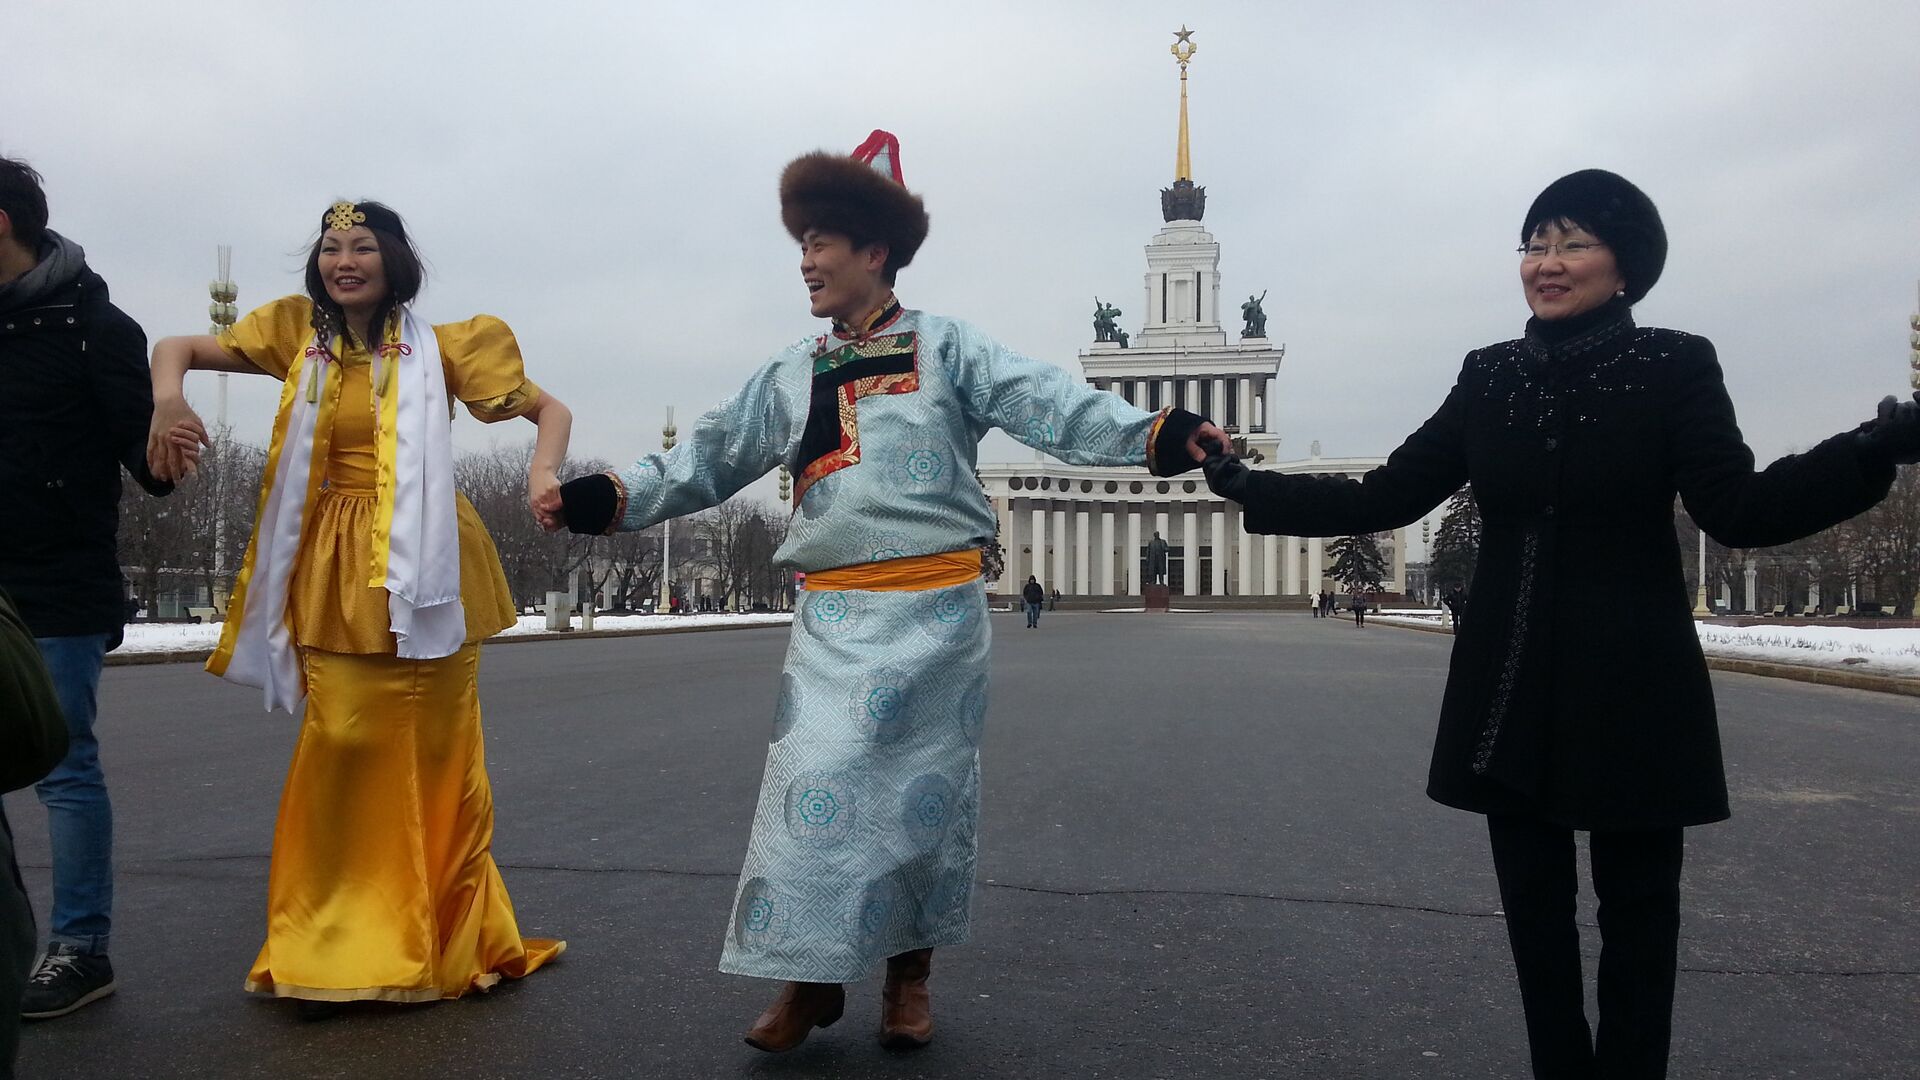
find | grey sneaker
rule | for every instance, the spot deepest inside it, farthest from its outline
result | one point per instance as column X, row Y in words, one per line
column 64, row 981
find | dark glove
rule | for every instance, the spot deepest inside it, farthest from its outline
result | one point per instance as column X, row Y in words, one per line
column 1227, row 476
column 1894, row 435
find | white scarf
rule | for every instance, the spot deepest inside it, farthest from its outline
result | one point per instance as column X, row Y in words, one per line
column 421, row 550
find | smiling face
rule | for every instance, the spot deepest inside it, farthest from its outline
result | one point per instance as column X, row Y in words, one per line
column 1560, row 284
column 843, row 281
column 352, row 271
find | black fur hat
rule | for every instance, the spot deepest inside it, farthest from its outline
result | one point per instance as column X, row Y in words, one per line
column 850, row 195
column 1616, row 212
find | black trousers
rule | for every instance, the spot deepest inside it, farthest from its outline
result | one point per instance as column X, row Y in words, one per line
column 1636, row 878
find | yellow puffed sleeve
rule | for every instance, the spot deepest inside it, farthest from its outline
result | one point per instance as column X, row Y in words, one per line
column 271, row 336
column 484, row 369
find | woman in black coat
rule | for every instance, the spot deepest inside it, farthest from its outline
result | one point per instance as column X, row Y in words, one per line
column 1577, row 698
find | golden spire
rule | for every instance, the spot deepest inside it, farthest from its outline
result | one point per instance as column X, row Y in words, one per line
column 1183, row 51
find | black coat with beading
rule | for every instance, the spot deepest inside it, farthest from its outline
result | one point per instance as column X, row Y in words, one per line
column 1577, row 692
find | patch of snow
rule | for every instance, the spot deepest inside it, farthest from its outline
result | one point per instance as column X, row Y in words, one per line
column 186, row 637
column 1893, row 651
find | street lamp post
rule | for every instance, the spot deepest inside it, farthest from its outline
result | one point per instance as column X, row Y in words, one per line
column 1700, row 597
column 667, row 438
column 224, row 314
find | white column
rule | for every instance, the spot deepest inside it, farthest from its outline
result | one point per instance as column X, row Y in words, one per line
column 1290, row 563
column 1139, row 393
column 1060, row 550
column 1039, row 541
column 1106, row 553
column 1246, row 403
column 1190, row 539
column 1218, row 413
column 1193, row 396
column 1314, row 547
column 1217, row 528
column 1270, row 581
column 1248, row 585
column 1166, row 393
column 1132, row 554
column 1082, row 565
column 1012, row 577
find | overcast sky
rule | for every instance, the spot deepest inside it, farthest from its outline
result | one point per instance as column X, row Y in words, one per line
column 602, row 176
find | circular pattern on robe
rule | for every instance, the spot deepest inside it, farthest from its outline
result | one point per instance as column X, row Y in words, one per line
column 948, row 614
column 944, row 902
column 927, row 808
column 973, row 710
column 1040, row 429
column 923, row 466
column 879, row 705
column 881, row 546
column 786, row 710
column 822, row 810
column 830, row 614
column 761, row 916
column 873, row 911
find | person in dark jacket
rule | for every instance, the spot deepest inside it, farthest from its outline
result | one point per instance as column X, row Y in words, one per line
column 1033, row 595
column 33, row 739
column 74, row 409
column 1577, row 698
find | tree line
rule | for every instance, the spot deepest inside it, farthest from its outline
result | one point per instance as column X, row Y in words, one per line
column 1868, row 564
column 194, row 540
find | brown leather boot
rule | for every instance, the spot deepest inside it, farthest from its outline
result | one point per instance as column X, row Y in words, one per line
column 801, row 1007
column 906, row 1016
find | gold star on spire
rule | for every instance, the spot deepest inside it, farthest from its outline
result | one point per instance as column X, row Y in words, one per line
column 1183, row 33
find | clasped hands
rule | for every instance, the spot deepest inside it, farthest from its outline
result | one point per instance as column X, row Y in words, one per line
column 1894, row 434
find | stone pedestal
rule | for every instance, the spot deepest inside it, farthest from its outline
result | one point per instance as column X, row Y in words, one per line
column 1158, row 597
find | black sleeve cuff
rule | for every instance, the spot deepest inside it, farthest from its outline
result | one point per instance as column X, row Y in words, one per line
column 1167, row 453
column 592, row 504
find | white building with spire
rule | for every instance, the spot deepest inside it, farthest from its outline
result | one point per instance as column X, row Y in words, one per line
column 1084, row 530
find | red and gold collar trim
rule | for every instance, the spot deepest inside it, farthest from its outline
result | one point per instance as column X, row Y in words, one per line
column 880, row 319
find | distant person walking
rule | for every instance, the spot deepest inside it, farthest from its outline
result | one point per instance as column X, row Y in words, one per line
column 1033, row 595
column 1358, row 602
column 74, row 409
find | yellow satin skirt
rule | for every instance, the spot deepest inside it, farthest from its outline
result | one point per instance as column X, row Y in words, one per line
column 383, row 885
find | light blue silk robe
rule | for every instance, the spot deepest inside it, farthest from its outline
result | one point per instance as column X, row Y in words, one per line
column 863, row 844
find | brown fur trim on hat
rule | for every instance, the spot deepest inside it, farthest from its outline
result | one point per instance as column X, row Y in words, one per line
column 824, row 190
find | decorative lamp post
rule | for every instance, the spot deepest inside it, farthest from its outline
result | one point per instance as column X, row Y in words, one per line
column 786, row 497
column 668, row 436
column 1426, row 561
column 1700, row 595
column 1913, row 361
column 223, row 313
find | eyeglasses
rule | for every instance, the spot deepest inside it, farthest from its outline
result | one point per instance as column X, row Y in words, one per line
column 1570, row 250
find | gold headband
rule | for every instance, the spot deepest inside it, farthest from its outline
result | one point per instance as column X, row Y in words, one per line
column 344, row 216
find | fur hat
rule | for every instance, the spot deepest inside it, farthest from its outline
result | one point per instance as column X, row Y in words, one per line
column 852, row 195
column 1616, row 212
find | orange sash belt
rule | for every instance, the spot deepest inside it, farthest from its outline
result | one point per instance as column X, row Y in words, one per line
column 914, row 574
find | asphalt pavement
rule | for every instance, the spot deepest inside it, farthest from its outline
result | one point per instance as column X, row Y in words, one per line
column 1206, row 852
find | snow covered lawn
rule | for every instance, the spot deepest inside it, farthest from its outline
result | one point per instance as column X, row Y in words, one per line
column 1894, row 651
column 185, row 637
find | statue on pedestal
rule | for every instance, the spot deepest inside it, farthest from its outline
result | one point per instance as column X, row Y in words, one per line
column 1255, row 315
column 1156, row 561
column 1106, row 325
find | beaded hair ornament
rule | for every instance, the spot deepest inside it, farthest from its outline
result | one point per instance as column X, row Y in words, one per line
column 342, row 216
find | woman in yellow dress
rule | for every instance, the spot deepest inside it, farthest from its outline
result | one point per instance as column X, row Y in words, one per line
column 366, row 591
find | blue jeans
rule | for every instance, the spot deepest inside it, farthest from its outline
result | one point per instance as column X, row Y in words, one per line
column 79, row 817
column 1033, row 614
